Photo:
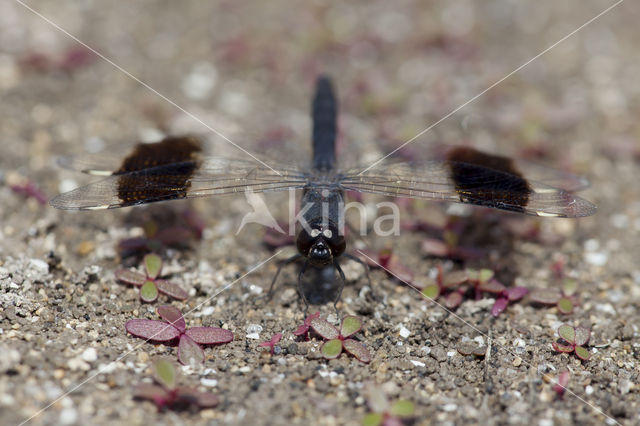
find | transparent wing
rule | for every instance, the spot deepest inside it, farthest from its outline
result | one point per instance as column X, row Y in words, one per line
column 502, row 186
column 187, row 179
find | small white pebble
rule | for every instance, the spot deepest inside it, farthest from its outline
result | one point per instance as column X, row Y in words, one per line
column 596, row 258
column 592, row 245
column 449, row 407
column 426, row 350
column 68, row 416
column 244, row 369
column 90, row 355
column 588, row 390
column 254, row 328
column 451, row 353
column 404, row 332
column 207, row 311
column 210, row 383
column 254, row 336
column 545, row 422
column 479, row 340
column 417, row 363
column 40, row 265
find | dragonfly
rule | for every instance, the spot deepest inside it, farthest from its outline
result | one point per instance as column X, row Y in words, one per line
column 176, row 168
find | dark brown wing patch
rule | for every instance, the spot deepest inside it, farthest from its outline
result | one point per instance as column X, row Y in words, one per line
column 488, row 180
column 179, row 157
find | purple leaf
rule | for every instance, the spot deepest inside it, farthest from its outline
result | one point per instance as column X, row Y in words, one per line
column 561, row 347
column 189, row 351
column 173, row 316
column 546, row 296
column 491, row 286
column 517, row 293
column 130, row 277
column 151, row 392
column 148, row 292
column 324, row 329
column 499, row 306
column 357, row 349
column 201, row 399
column 582, row 336
column 454, row 279
column 453, row 300
column 563, row 381
column 171, row 289
column 350, row 326
column 301, row 330
column 209, row 335
column 159, row 331
column 331, row 348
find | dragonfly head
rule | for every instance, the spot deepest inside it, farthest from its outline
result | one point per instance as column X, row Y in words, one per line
column 320, row 243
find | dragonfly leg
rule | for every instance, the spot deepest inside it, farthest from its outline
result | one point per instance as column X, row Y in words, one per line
column 366, row 271
column 344, row 282
column 275, row 277
column 300, row 287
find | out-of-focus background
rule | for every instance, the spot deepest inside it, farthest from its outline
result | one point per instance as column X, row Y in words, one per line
column 247, row 69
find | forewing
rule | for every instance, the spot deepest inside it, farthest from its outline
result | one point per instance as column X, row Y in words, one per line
column 215, row 176
column 173, row 168
column 471, row 177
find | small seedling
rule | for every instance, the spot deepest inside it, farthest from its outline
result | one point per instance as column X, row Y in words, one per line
column 485, row 282
column 573, row 339
column 449, row 285
column 29, row 190
column 386, row 260
column 179, row 231
column 336, row 340
column 561, row 386
column 174, row 327
column 166, row 393
column 150, row 284
column 565, row 299
column 271, row 344
column 303, row 329
column 385, row 413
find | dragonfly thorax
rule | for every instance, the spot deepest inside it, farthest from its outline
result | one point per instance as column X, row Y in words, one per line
column 320, row 242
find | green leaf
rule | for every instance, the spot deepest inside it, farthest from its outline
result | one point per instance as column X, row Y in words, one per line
column 567, row 332
column 331, row 349
column 153, row 265
column 403, row 408
column 165, row 373
column 372, row 419
column 559, row 347
column 565, row 305
column 582, row 353
column 350, row 325
column 569, row 286
column 432, row 291
column 485, row 275
column 148, row 292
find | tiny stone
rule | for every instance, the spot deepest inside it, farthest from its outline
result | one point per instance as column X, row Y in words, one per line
column 210, row 383
column 254, row 329
column 449, row 407
column 90, row 355
column 404, row 332
column 68, row 416
column 517, row 362
column 588, row 390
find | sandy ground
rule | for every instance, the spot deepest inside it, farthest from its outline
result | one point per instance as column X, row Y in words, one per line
column 246, row 69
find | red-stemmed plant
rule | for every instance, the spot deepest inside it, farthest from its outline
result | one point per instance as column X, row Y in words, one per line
column 336, row 340
column 174, row 327
column 149, row 283
column 167, row 394
column 573, row 339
